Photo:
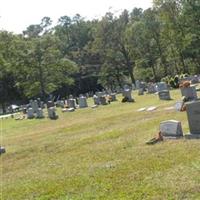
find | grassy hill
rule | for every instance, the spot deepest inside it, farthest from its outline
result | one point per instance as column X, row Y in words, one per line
column 100, row 154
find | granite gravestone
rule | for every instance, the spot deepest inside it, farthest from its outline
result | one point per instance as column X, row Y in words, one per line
column 193, row 115
column 140, row 91
column 127, row 95
column 171, row 128
column 2, row 150
column 30, row 113
column 103, row 100
column 82, row 102
column 96, row 100
column 151, row 89
column 161, row 86
column 39, row 114
column 164, row 95
column 189, row 93
column 72, row 103
column 52, row 113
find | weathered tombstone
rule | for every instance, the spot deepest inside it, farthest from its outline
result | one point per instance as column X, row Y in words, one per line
column 151, row 88
column 189, row 93
column 113, row 97
column 100, row 94
column 161, row 86
column 140, row 91
column 171, row 128
column 50, row 104
column 30, row 113
column 127, row 95
column 164, row 95
column 39, row 113
column 60, row 103
column 82, row 102
column 72, row 103
column 103, row 100
column 52, row 113
column 35, row 106
column 195, row 79
column 193, row 115
column 137, row 84
column 2, row 150
column 96, row 100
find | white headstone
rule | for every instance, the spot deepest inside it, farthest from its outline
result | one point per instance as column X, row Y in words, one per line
column 171, row 128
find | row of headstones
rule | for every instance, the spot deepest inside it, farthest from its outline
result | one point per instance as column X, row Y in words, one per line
column 173, row 128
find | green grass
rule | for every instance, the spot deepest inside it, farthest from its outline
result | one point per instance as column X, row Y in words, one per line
column 100, row 154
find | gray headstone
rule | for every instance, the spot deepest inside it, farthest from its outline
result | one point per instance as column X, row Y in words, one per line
column 127, row 94
column 39, row 113
column 52, row 113
column 2, row 150
column 164, row 95
column 189, row 92
column 82, row 102
column 113, row 96
column 161, row 86
column 96, row 100
column 72, row 103
column 171, row 128
column 193, row 115
column 140, row 91
column 30, row 113
column 151, row 88
column 50, row 104
column 103, row 100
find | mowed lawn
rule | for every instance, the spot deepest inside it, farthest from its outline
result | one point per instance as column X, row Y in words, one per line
column 100, row 154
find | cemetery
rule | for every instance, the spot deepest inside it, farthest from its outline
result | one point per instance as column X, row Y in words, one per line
column 100, row 100
column 77, row 150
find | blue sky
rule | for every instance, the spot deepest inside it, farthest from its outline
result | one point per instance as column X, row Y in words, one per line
column 16, row 15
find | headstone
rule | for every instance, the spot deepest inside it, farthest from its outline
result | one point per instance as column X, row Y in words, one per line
column 39, row 113
column 127, row 95
column 171, row 128
column 151, row 88
column 60, row 103
column 103, row 100
column 72, row 103
column 70, row 110
column 2, row 150
column 137, row 84
column 113, row 97
column 195, row 79
column 82, row 102
column 189, row 93
column 52, row 113
column 50, row 104
column 193, row 115
column 140, row 91
column 161, row 86
column 96, row 100
column 30, row 113
column 164, row 95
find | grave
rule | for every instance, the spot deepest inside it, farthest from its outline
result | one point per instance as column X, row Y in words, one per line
column 164, row 95
column 30, row 113
column 140, row 91
column 103, row 100
column 72, row 103
column 39, row 113
column 52, row 113
column 2, row 150
column 113, row 97
column 50, row 104
column 193, row 115
column 82, row 102
column 171, row 129
column 151, row 89
column 96, row 100
column 34, row 105
column 189, row 93
column 161, row 86
column 127, row 95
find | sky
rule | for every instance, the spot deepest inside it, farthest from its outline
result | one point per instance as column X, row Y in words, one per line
column 16, row 15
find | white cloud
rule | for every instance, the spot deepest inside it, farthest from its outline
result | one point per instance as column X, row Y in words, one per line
column 16, row 15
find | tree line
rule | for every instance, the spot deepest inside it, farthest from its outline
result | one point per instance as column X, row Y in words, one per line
column 77, row 55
